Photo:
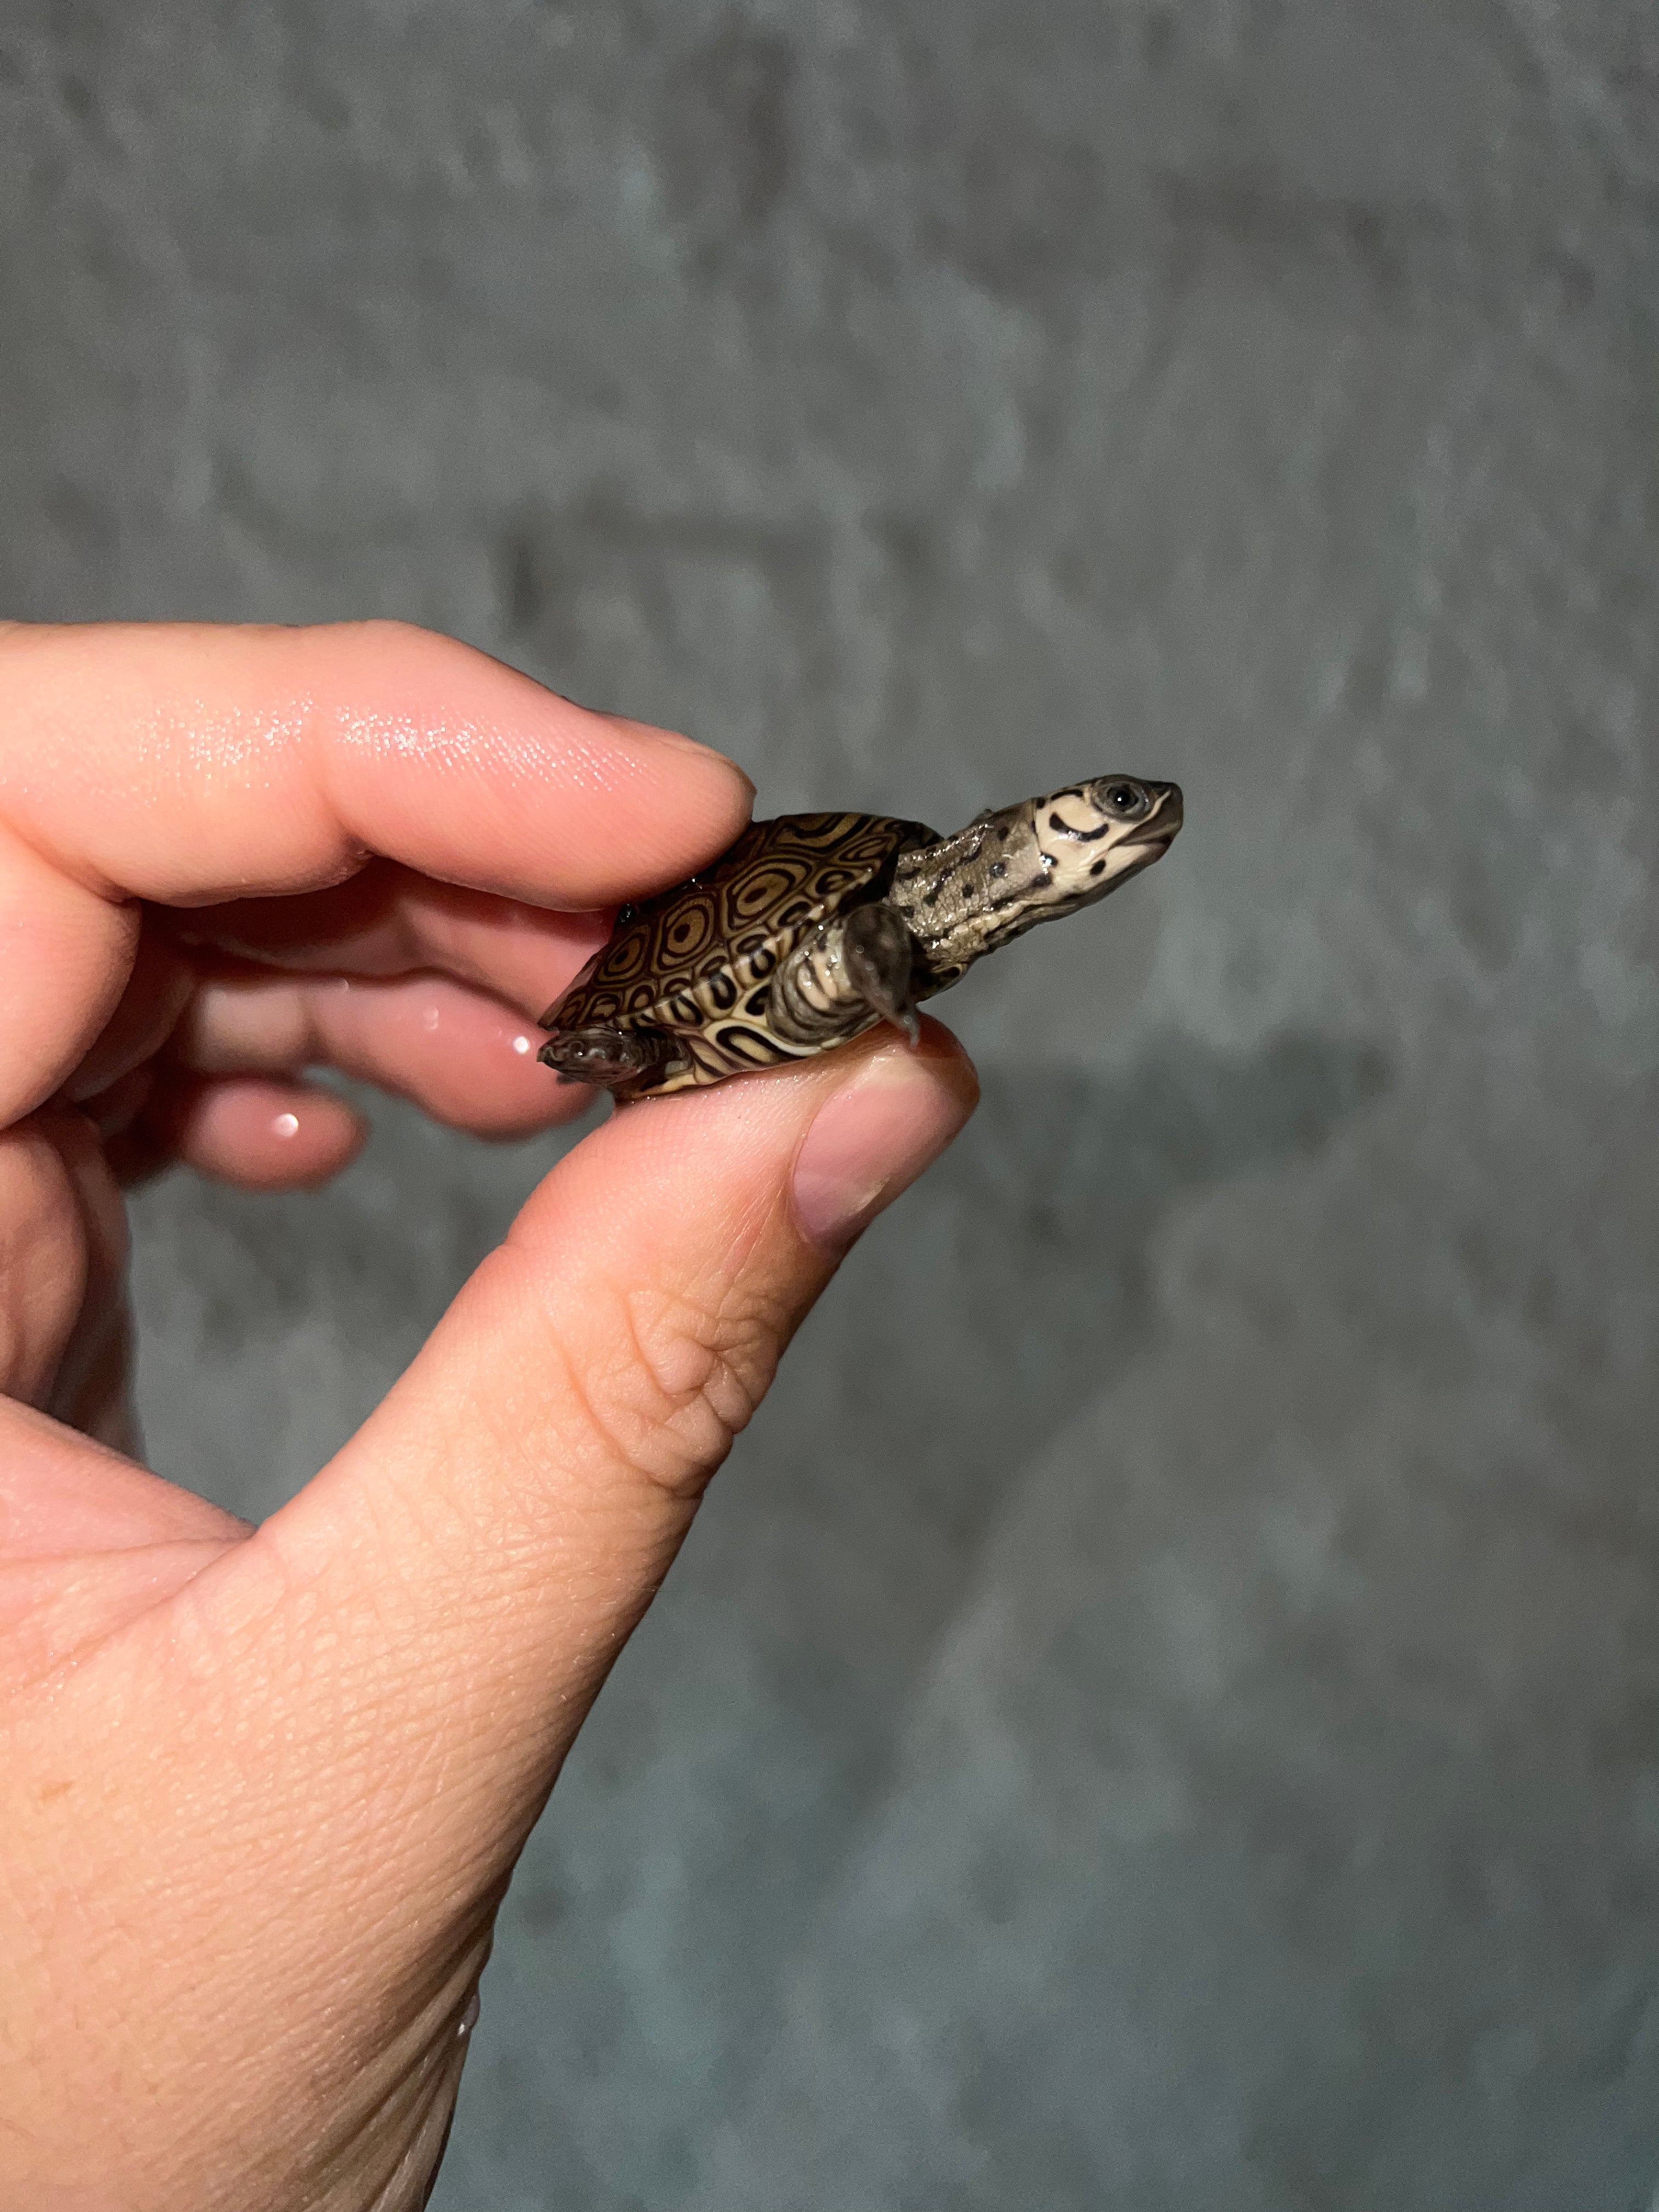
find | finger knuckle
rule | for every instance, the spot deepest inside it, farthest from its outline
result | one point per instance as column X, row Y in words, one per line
column 681, row 1375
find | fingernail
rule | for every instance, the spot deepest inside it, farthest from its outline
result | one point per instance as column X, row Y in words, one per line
column 649, row 733
column 871, row 1140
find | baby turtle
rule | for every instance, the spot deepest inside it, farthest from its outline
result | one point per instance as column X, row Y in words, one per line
column 814, row 927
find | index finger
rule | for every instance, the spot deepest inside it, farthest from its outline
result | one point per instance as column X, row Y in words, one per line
column 191, row 764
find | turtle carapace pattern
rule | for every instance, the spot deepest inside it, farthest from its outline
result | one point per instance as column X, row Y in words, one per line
column 814, row 927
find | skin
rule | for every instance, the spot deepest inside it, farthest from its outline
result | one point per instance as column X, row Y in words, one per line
column 261, row 1791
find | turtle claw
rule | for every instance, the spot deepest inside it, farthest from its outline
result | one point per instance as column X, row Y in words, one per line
column 903, row 1018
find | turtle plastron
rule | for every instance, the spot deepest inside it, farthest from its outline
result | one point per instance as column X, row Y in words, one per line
column 852, row 972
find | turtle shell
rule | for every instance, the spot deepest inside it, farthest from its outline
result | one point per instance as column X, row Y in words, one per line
column 697, row 961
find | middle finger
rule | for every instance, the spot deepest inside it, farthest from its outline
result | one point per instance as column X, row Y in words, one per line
column 461, row 1054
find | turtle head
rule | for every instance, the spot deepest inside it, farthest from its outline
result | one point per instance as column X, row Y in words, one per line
column 1093, row 836
column 1017, row 865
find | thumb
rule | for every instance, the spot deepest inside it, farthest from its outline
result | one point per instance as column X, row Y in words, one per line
column 459, row 1578
column 494, row 1531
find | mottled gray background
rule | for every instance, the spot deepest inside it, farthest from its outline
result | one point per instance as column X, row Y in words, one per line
column 1160, row 1711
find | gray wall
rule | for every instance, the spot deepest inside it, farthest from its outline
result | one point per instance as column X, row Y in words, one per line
column 1160, row 1711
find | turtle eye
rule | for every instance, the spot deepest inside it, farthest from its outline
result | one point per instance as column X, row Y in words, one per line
column 1127, row 801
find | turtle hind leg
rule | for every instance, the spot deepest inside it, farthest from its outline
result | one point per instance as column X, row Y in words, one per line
column 607, row 1058
column 857, row 966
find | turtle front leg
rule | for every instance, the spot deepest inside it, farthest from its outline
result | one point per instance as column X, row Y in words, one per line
column 850, row 971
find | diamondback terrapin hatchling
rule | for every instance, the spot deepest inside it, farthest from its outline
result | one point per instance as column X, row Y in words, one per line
column 814, row 927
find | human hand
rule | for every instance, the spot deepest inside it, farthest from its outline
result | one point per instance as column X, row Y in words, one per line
column 261, row 1791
